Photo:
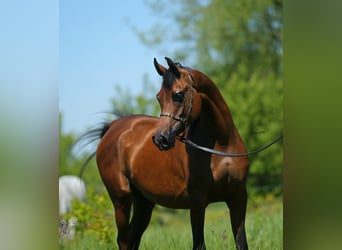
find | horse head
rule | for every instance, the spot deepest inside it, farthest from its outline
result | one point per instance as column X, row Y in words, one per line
column 179, row 103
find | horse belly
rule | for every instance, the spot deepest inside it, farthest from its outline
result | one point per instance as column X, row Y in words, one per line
column 165, row 197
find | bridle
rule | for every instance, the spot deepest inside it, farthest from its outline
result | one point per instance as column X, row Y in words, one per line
column 184, row 120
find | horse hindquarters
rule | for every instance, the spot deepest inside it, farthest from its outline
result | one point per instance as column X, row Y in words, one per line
column 112, row 164
column 116, row 183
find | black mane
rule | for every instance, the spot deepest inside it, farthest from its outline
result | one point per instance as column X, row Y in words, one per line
column 168, row 79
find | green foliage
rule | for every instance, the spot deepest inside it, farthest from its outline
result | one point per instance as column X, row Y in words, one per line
column 256, row 107
column 69, row 164
column 71, row 157
column 95, row 217
column 170, row 229
column 141, row 103
column 223, row 37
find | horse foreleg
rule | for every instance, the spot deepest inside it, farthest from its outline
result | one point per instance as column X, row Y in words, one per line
column 237, row 206
column 142, row 210
column 197, row 223
column 122, row 214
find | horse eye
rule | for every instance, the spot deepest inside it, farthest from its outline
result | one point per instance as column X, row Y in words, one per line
column 178, row 97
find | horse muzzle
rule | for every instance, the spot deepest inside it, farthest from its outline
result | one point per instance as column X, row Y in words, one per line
column 164, row 141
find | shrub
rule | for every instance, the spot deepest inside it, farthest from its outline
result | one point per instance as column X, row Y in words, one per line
column 95, row 217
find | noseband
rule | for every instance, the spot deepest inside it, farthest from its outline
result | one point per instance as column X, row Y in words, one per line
column 185, row 119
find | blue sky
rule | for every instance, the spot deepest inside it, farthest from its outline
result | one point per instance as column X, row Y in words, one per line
column 98, row 50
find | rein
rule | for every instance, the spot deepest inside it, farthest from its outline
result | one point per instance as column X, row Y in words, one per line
column 216, row 152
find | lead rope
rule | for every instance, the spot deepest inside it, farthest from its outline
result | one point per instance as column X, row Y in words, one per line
column 213, row 151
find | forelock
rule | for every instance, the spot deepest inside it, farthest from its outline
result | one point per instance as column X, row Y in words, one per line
column 168, row 79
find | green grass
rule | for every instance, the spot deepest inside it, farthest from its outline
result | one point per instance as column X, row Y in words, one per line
column 170, row 229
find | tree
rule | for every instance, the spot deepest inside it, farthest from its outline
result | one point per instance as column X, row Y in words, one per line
column 68, row 163
column 142, row 103
column 223, row 37
column 72, row 156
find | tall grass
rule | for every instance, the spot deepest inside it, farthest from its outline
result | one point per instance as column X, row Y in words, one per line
column 170, row 229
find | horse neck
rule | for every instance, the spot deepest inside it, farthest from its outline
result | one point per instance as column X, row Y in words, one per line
column 215, row 114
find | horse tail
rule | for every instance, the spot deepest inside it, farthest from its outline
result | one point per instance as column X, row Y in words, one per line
column 96, row 134
column 91, row 136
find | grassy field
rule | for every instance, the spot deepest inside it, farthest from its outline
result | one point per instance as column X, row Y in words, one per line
column 170, row 229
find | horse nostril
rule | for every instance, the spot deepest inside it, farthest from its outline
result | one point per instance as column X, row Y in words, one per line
column 164, row 140
column 161, row 141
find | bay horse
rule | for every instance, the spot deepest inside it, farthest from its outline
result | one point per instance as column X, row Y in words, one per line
column 141, row 162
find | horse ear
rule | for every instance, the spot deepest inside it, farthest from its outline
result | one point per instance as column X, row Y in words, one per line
column 173, row 67
column 160, row 68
